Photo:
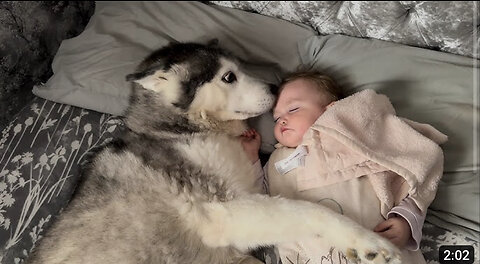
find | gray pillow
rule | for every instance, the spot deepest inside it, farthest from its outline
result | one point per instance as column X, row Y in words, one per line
column 423, row 85
column 89, row 70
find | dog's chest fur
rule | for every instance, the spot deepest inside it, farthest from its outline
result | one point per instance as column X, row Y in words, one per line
column 214, row 153
column 189, row 168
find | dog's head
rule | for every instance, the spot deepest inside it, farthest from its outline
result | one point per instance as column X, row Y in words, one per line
column 204, row 80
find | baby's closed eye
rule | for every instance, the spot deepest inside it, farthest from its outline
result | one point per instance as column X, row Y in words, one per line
column 293, row 109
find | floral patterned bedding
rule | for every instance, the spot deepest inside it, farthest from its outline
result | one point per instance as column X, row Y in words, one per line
column 41, row 154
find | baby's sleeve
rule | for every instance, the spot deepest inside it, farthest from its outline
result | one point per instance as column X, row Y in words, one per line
column 415, row 218
column 260, row 174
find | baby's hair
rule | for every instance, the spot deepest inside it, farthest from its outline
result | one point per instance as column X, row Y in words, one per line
column 323, row 81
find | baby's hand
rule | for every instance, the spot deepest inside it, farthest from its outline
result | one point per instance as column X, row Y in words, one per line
column 251, row 140
column 395, row 229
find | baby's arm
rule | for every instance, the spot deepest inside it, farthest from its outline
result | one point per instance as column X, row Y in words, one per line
column 251, row 141
column 260, row 173
column 404, row 225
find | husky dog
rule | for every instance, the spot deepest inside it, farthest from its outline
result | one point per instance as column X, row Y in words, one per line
column 177, row 187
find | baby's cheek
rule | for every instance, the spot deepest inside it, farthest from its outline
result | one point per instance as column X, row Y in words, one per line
column 276, row 132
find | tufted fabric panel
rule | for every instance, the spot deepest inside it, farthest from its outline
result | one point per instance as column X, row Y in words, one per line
column 447, row 26
column 30, row 34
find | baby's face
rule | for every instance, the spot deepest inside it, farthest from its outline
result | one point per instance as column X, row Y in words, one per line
column 299, row 105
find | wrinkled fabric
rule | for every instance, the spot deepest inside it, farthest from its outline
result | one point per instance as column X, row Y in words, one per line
column 373, row 141
column 447, row 26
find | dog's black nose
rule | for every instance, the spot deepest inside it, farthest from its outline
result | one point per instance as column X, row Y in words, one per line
column 273, row 88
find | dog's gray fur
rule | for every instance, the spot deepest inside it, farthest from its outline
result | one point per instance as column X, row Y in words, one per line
column 177, row 188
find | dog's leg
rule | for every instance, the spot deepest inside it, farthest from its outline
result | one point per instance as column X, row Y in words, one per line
column 256, row 220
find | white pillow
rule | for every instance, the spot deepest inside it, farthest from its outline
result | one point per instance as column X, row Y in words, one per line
column 90, row 69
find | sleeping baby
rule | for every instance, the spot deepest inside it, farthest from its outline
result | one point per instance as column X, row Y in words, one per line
column 353, row 155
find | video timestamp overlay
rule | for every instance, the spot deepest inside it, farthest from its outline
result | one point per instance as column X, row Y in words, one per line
column 456, row 254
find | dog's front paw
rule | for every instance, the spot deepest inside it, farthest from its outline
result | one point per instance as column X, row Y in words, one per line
column 369, row 247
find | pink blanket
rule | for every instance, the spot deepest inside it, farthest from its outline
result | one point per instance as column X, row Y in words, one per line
column 361, row 136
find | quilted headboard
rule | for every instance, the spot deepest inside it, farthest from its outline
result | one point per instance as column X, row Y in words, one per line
column 447, row 26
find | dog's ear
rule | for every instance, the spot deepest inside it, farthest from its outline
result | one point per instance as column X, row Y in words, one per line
column 147, row 79
column 132, row 77
column 213, row 42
